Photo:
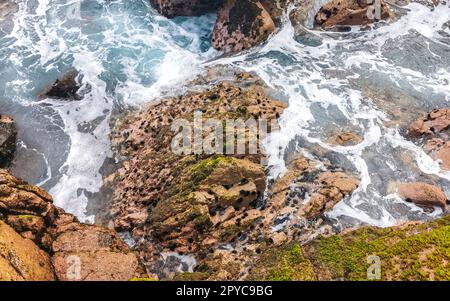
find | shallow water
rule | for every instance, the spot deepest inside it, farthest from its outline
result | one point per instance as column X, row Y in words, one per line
column 129, row 55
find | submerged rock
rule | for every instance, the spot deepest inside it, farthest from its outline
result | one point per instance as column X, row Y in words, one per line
column 422, row 194
column 8, row 134
column 99, row 252
column 174, row 8
column 66, row 87
column 351, row 12
column 241, row 25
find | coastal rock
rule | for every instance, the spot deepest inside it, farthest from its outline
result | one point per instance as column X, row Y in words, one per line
column 422, row 194
column 190, row 202
column 66, row 87
column 8, row 134
column 174, row 8
column 345, row 139
column 350, row 12
column 241, row 25
column 434, row 122
column 21, row 259
column 100, row 252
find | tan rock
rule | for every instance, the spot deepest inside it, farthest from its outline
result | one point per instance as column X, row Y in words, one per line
column 21, row 259
column 97, row 266
column 422, row 194
column 349, row 12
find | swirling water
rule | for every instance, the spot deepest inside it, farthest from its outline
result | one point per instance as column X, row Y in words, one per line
column 129, row 55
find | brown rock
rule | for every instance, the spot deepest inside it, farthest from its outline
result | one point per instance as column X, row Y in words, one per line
column 241, row 25
column 21, row 259
column 422, row 194
column 97, row 266
column 8, row 133
column 349, row 12
column 346, row 139
column 174, row 8
column 435, row 122
column 66, row 87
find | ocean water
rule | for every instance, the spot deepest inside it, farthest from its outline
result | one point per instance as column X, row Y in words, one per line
column 128, row 55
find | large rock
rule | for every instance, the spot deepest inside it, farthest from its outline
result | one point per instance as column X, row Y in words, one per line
column 21, row 259
column 241, row 25
column 186, row 202
column 422, row 194
column 174, row 8
column 8, row 134
column 434, row 122
column 79, row 251
column 67, row 87
column 350, row 12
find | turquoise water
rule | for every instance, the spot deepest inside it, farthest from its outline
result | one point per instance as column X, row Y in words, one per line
column 126, row 55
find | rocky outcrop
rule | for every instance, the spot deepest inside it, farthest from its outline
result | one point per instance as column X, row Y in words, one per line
column 66, row 87
column 432, row 133
column 345, row 138
column 174, row 8
column 77, row 251
column 351, row 12
column 414, row 251
column 21, row 259
column 241, row 25
column 8, row 134
column 189, row 202
column 422, row 194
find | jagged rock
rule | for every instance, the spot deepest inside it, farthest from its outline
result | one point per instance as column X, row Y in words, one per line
column 66, row 87
column 186, row 202
column 30, row 211
column 174, row 8
column 422, row 194
column 21, row 259
column 350, row 12
column 241, row 25
column 434, row 122
column 8, row 134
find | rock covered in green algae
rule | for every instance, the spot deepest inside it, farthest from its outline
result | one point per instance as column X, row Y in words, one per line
column 414, row 251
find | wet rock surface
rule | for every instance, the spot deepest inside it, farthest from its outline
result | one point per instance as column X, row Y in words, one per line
column 8, row 134
column 67, row 87
column 59, row 239
column 432, row 133
column 422, row 194
column 350, row 12
column 241, row 25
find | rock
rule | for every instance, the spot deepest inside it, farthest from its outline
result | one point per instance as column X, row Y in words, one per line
column 100, row 251
column 415, row 251
column 434, row 122
column 346, row 139
column 350, row 12
column 439, row 149
column 174, row 8
column 422, row 194
column 187, row 202
column 66, row 87
column 8, row 134
column 241, row 25
column 97, row 266
column 21, row 259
